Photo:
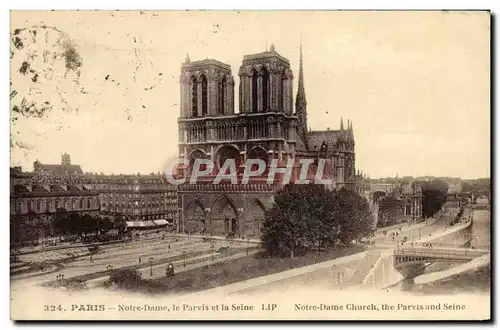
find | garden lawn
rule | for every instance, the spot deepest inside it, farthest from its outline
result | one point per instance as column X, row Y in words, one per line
column 237, row 270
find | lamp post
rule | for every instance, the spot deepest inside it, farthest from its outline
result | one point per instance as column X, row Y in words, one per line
column 151, row 267
column 184, row 256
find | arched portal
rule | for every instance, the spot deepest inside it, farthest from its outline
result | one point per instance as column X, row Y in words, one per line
column 224, row 217
column 255, row 219
column 195, row 218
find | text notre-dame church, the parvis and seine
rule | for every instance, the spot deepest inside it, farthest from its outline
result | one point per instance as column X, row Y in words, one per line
column 266, row 127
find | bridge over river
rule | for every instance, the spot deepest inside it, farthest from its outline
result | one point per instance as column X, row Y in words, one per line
column 418, row 255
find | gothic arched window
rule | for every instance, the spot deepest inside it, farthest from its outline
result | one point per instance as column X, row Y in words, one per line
column 194, row 97
column 265, row 89
column 281, row 92
column 222, row 95
column 255, row 101
column 204, row 95
column 240, row 98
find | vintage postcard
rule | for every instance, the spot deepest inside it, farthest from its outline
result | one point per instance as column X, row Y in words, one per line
column 250, row 165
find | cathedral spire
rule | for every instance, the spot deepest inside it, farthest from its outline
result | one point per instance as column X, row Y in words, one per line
column 187, row 60
column 341, row 123
column 300, row 100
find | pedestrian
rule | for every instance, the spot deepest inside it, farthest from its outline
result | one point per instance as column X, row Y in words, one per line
column 139, row 259
column 91, row 260
column 169, row 247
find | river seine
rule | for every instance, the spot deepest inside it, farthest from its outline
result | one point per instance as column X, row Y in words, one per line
column 474, row 281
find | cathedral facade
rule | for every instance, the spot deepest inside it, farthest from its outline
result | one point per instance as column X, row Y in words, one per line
column 267, row 126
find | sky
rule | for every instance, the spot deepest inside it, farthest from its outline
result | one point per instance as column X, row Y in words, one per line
column 416, row 85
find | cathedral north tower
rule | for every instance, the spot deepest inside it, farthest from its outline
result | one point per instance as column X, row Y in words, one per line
column 207, row 89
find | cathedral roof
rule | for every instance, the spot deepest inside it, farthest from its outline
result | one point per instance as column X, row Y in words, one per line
column 59, row 169
column 204, row 63
column 330, row 137
column 264, row 55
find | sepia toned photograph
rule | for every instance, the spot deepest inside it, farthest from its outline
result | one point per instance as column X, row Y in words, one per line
column 250, row 165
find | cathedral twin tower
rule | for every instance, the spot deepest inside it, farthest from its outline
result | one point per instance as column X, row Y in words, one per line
column 265, row 126
column 266, row 82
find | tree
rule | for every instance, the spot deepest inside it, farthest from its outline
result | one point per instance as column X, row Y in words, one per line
column 308, row 216
column 285, row 225
column 61, row 223
column 322, row 222
column 104, row 224
column 125, row 278
column 120, row 225
column 389, row 207
column 434, row 196
column 378, row 195
column 22, row 229
column 355, row 218
column 88, row 224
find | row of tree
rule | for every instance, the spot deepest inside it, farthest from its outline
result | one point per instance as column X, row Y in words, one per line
column 306, row 217
column 389, row 210
column 80, row 225
column 434, row 193
column 23, row 229
column 30, row 227
column 458, row 217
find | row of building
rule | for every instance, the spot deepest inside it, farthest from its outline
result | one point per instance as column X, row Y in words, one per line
column 138, row 199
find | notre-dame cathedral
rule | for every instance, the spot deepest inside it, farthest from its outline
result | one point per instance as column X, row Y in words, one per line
column 266, row 127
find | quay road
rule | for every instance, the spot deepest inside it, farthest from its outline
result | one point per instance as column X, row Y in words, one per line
column 416, row 233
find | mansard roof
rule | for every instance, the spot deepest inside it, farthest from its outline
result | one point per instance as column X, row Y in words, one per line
column 197, row 65
column 265, row 55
